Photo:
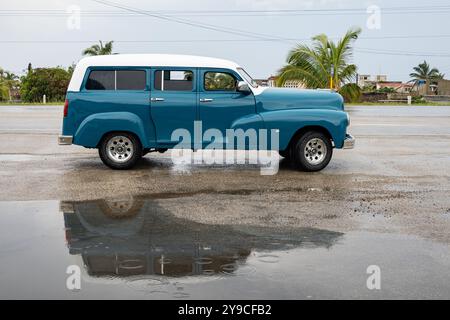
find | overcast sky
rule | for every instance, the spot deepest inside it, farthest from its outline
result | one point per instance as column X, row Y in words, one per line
column 408, row 32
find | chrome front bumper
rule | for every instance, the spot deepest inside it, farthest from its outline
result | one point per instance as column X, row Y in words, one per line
column 349, row 142
column 65, row 140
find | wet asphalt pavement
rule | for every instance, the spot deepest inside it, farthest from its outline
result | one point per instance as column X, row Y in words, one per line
column 225, row 231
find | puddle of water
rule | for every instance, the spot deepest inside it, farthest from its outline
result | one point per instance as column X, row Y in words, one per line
column 137, row 249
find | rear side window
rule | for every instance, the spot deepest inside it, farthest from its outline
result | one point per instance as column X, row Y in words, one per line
column 174, row 80
column 101, row 80
column 116, row 80
column 130, row 80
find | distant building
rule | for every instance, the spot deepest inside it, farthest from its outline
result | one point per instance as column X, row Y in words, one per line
column 272, row 82
column 269, row 82
column 439, row 87
column 366, row 80
column 379, row 82
column 262, row 82
column 398, row 86
column 443, row 87
column 381, row 78
column 295, row 84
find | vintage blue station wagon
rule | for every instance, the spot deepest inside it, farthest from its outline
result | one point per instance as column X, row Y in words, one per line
column 130, row 105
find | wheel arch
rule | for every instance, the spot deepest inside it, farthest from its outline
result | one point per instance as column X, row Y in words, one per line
column 119, row 132
column 300, row 132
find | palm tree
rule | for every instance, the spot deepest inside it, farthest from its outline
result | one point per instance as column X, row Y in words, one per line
column 10, row 80
column 9, row 76
column 423, row 72
column 315, row 66
column 97, row 50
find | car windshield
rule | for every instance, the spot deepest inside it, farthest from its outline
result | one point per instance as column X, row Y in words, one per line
column 247, row 77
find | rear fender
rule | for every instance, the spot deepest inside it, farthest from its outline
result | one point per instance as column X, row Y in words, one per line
column 95, row 126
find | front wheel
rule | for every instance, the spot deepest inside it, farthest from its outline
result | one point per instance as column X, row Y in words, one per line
column 312, row 151
column 120, row 150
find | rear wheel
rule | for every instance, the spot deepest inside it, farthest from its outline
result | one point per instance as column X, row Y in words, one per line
column 312, row 151
column 120, row 150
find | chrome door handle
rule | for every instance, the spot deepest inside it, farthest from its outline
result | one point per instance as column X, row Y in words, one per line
column 156, row 99
column 206, row 100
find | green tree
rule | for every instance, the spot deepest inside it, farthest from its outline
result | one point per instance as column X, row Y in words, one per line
column 423, row 72
column 8, row 82
column 386, row 90
column 12, row 82
column 52, row 82
column 315, row 65
column 98, row 50
column 4, row 93
column 71, row 69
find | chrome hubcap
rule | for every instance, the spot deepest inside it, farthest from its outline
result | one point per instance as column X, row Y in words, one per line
column 315, row 151
column 119, row 206
column 119, row 148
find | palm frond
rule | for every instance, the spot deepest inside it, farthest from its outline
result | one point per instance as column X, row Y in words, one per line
column 312, row 64
column 351, row 92
column 100, row 49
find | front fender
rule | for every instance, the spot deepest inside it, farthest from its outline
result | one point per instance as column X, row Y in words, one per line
column 250, row 121
column 291, row 120
column 95, row 126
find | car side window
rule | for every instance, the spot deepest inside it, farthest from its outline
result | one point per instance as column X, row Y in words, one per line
column 101, row 80
column 116, row 80
column 174, row 80
column 219, row 81
column 130, row 80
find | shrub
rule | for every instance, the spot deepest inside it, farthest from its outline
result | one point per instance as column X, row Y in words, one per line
column 52, row 82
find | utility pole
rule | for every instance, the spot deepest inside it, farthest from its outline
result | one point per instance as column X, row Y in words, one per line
column 331, row 77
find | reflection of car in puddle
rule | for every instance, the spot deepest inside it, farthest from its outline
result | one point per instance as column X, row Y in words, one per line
column 139, row 237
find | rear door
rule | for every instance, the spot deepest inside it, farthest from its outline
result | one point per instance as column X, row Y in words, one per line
column 173, row 102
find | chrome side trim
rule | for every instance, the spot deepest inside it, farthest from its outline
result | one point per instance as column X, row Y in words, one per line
column 65, row 140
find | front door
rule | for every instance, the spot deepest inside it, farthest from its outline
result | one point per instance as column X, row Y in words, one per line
column 173, row 102
column 220, row 102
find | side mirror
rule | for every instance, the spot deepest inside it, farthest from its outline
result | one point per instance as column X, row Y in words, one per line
column 243, row 87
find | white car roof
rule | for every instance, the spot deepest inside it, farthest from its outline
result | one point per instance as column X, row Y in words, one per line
column 145, row 60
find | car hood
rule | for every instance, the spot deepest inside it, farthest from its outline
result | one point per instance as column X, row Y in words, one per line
column 286, row 98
